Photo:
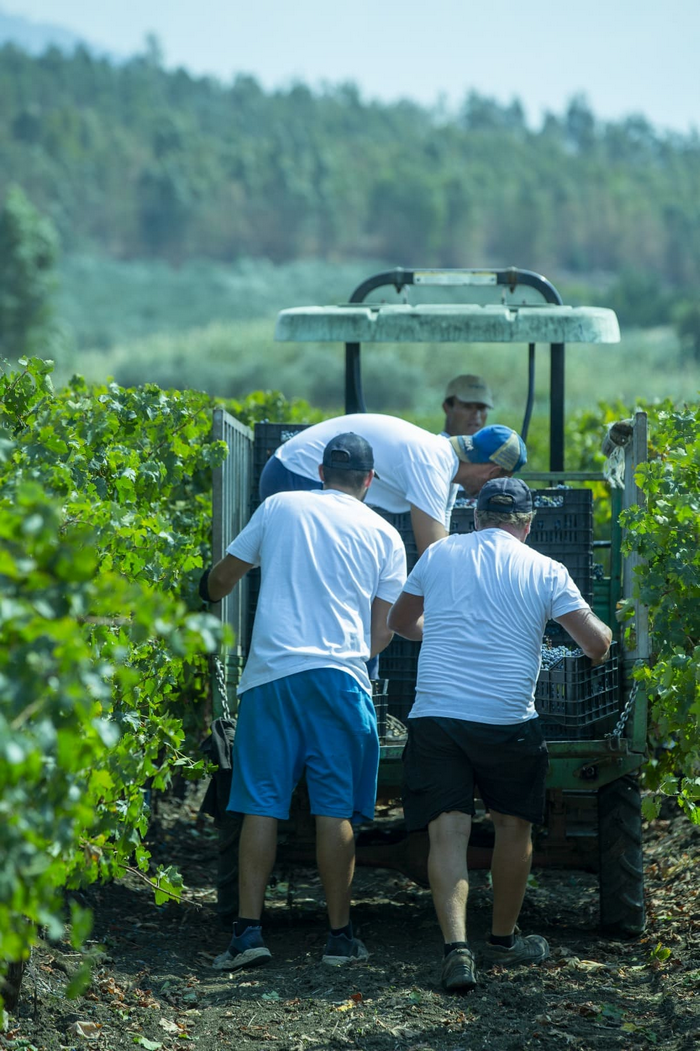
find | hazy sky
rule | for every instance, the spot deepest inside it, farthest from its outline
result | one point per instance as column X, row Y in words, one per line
column 626, row 56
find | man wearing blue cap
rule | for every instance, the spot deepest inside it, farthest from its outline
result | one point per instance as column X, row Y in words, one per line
column 330, row 570
column 480, row 602
column 414, row 469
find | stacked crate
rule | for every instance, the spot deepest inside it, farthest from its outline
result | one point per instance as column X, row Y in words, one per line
column 267, row 437
column 576, row 701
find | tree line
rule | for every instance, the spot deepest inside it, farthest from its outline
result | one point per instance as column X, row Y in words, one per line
column 136, row 161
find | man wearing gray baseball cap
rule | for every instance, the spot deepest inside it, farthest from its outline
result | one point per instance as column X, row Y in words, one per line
column 468, row 399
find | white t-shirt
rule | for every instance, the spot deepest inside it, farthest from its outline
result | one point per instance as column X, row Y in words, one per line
column 412, row 465
column 324, row 558
column 487, row 598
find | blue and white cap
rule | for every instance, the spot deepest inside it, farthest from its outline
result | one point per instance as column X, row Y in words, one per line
column 496, row 443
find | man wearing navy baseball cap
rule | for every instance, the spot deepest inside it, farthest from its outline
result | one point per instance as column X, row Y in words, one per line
column 331, row 568
column 415, row 470
column 480, row 602
column 349, row 452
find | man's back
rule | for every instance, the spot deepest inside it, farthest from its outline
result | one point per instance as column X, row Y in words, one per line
column 412, row 465
column 487, row 599
column 324, row 558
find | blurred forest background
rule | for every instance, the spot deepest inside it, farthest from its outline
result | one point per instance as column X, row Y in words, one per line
column 153, row 223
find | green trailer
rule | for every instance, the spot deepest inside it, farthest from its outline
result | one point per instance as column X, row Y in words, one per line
column 596, row 717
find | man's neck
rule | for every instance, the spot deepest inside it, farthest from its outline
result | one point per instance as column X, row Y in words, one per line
column 341, row 489
column 519, row 532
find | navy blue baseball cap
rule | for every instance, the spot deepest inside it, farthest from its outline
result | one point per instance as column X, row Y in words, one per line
column 348, row 452
column 506, row 496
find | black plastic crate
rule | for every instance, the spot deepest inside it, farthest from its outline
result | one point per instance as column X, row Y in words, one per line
column 401, row 695
column 577, row 700
column 462, row 520
column 567, row 519
column 564, row 517
column 267, row 437
column 401, row 665
column 563, row 530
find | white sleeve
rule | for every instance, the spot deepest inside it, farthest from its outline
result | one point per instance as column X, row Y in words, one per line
column 429, row 490
column 414, row 584
column 248, row 543
column 393, row 574
column 566, row 597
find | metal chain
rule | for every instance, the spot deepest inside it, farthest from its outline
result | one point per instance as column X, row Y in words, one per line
column 627, row 710
column 217, row 664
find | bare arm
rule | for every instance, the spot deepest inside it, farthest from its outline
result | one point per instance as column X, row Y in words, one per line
column 225, row 575
column 426, row 530
column 406, row 616
column 381, row 632
column 592, row 635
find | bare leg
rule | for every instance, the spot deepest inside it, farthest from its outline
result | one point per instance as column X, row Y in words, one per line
column 335, row 856
column 256, row 856
column 447, row 872
column 510, row 867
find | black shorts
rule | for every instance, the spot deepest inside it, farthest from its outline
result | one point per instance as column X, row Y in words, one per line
column 444, row 759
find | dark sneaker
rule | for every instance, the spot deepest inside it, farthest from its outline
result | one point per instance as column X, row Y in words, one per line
column 341, row 950
column 532, row 948
column 459, row 971
column 246, row 950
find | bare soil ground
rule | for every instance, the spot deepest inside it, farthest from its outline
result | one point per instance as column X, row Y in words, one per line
column 154, row 987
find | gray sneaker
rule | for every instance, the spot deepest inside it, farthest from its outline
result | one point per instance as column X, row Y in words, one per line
column 459, row 971
column 340, row 951
column 531, row 948
column 245, row 950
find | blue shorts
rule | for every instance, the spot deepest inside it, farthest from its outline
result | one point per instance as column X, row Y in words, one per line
column 276, row 478
column 320, row 723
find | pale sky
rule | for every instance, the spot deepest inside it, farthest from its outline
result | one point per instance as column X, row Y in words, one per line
column 626, row 56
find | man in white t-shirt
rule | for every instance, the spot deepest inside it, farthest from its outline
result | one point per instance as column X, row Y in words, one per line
column 414, row 469
column 468, row 399
column 330, row 570
column 480, row 602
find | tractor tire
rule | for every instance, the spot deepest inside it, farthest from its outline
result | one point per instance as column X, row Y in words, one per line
column 621, row 870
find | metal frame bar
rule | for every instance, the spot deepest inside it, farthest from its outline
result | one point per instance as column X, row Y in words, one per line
column 231, row 486
column 510, row 276
column 636, row 452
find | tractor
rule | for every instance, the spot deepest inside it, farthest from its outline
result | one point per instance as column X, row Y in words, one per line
column 594, row 717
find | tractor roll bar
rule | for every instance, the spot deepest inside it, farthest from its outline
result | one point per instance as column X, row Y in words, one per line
column 510, row 276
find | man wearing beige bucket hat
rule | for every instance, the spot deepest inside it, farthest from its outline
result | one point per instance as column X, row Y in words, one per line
column 468, row 399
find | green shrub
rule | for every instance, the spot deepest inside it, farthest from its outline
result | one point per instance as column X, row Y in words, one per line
column 104, row 515
column 666, row 534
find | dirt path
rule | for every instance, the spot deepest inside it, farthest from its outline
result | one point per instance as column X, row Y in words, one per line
column 154, row 986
